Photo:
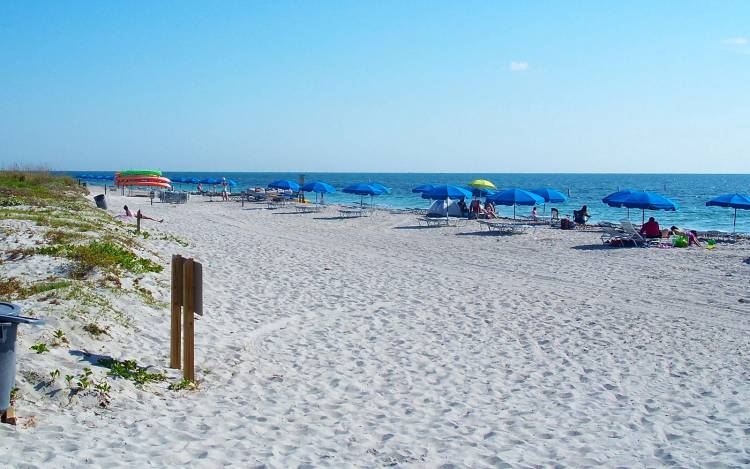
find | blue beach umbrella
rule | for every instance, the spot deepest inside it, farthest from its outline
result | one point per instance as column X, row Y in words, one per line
column 319, row 187
column 231, row 182
column 644, row 201
column 386, row 190
column 285, row 185
column 445, row 192
column 616, row 198
column 515, row 197
column 550, row 195
column 423, row 188
column 735, row 201
column 480, row 191
column 362, row 189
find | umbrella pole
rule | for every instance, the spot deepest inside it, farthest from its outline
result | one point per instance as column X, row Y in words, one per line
column 514, row 211
column 734, row 224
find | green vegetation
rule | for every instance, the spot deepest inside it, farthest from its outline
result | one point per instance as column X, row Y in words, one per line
column 103, row 254
column 95, row 330
column 130, row 370
column 184, row 384
column 41, row 347
column 35, row 187
column 62, row 237
column 13, row 289
column 148, row 298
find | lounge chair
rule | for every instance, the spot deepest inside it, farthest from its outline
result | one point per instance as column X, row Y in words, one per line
column 347, row 212
column 308, row 208
column 502, row 226
column 632, row 234
column 613, row 236
column 554, row 220
column 439, row 221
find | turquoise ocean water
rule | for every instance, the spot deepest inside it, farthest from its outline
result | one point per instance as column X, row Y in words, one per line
column 690, row 191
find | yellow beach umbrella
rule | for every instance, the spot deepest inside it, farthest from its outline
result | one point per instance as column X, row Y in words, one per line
column 482, row 184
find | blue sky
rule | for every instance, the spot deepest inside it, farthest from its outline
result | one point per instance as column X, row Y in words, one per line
column 377, row 86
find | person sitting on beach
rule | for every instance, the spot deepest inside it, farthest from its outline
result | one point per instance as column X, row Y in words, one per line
column 651, row 229
column 200, row 188
column 128, row 213
column 475, row 209
column 462, row 206
column 581, row 217
column 533, row 213
column 489, row 209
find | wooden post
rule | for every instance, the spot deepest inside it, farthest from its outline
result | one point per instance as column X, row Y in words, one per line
column 188, row 311
column 9, row 416
column 138, row 221
column 175, row 327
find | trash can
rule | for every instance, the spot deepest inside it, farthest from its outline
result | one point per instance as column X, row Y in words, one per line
column 101, row 202
column 9, row 321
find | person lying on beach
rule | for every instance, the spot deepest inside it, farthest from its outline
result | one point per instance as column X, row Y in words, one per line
column 144, row 217
column 691, row 235
column 651, row 229
column 129, row 214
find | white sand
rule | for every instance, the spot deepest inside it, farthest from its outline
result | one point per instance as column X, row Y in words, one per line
column 368, row 342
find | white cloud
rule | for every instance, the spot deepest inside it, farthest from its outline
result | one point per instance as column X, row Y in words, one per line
column 519, row 66
column 736, row 41
column 738, row 44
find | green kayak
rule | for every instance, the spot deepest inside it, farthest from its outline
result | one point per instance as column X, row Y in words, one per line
column 140, row 172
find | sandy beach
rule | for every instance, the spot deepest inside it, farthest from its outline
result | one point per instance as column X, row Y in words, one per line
column 372, row 342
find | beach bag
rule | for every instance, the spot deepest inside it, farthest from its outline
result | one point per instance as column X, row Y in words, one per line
column 566, row 224
column 680, row 242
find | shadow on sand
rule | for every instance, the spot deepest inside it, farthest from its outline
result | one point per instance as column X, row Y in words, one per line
column 91, row 358
column 493, row 234
column 599, row 247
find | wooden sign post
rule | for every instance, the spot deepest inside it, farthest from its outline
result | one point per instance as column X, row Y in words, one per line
column 188, row 308
column 187, row 300
column 138, row 217
column 176, row 328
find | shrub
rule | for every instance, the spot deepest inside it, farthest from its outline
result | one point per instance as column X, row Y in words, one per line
column 130, row 370
column 102, row 254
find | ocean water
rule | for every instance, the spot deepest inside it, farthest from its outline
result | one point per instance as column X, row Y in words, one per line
column 690, row 191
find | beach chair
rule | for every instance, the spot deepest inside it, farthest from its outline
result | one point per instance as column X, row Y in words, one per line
column 432, row 222
column 610, row 234
column 308, row 208
column 345, row 212
column 502, row 226
column 554, row 220
column 632, row 234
